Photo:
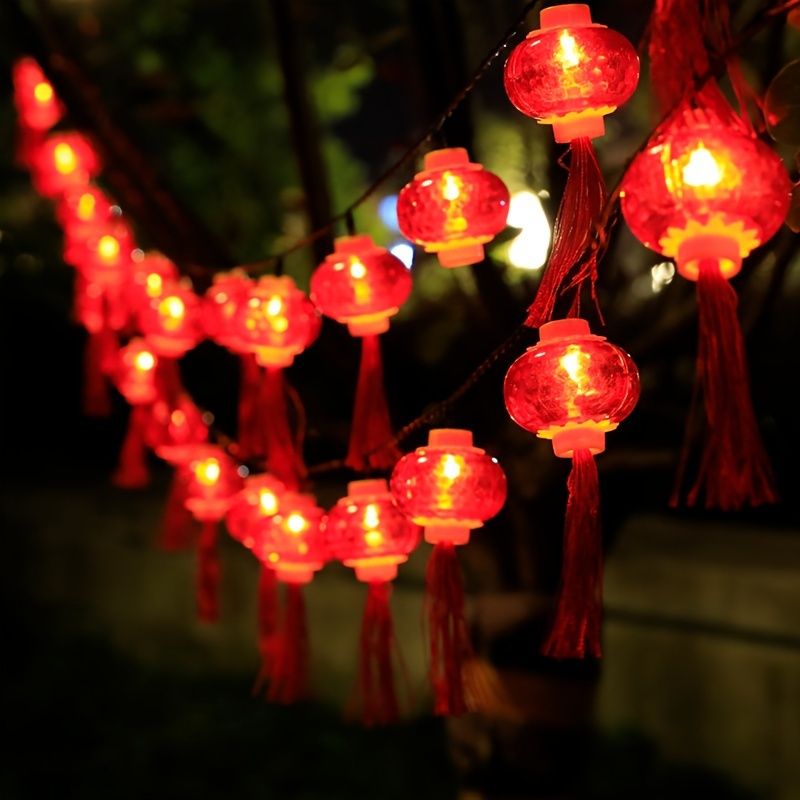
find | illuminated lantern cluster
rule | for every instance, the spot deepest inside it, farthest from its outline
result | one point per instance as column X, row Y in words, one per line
column 453, row 207
column 706, row 192
column 368, row 532
column 450, row 487
column 572, row 388
column 62, row 162
column 363, row 286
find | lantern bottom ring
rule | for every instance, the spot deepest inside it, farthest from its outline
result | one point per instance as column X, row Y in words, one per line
column 378, row 569
column 278, row 357
column 207, row 510
column 369, row 324
column 460, row 254
column 455, row 532
column 578, row 124
column 296, row 573
column 568, row 440
column 710, row 246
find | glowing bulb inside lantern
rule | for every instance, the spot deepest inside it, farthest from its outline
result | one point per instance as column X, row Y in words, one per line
column 295, row 523
column 145, row 361
column 172, row 307
column 450, row 468
column 570, row 54
column 178, row 417
column 43, row 92
column 274, row 306
column 273, row 557
column 702, row 169
column 65, row 159
column 451, row 190
column 207, row 472
column 153, row 284
column 86, row 206
column 371, row 516
column 268, row 502
column 108, row 248
column 357, row 269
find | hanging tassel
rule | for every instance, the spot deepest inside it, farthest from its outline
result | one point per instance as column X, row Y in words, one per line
column 734, row 466
column 101, row 347
column 132, row 471
column 267, row 621
column 578, row 214
column 208, row 573
column 450, row 645
column 372, row 427
column 289, row 676
column 284, row 459
column 168, row 380
column 575, row 630
column 179, row 529
column 375, row 690
column 249, row 436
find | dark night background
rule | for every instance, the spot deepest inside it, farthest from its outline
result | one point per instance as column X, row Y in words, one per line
column 111, row 688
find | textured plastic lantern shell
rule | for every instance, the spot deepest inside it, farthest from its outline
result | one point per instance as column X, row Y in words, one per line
column 209, row 493
column 453, row 207
column 253, row 507
column 573, row 387
column 704, row 189
column 367, row 531
column 448, row 486
column 360, row 285
column 293, row 542
column 135, row 373
column 83, row 210
column 63, row 161
column 103, row 253
column 175, row 434
column 36, row 102
column 221, row 302
column 170, row 322
column 148, row 278
column 276, row 322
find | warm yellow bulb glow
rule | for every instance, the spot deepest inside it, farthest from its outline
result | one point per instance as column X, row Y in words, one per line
column 279, row 324
column 172, row 307
column 371, row 516
column 43, row 92
column 296, row 523
column 145, row 361
column 268, row 502
column 450, row 468
column 373, row 538
column 108, row 248
column 178, row 417
column 451, row 189
column 65, row 159
column 570, row 52
column 702, row 168
column 273, row 557
column 153, row 283
column 274, row 306
column 357, row 269
column 207, row 472
column 86, row 207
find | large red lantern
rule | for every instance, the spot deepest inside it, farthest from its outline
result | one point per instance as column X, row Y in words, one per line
column 276, row 322
column 569, row 74
column 294, row 545
column 450, row 487
column 37, row 104
column 706, row 192
column 368, row 532
column 63, row 161
column 362, row 286
column 574, row 387
column 170, row 322
column 453, row 207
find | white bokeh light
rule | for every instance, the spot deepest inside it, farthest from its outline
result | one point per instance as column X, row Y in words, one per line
column 529, row 249
column 403, row 251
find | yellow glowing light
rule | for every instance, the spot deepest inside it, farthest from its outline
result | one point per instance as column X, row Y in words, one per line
column 451, row 189
column 65, row 159
column 145, row 361
column 371, row 516
column 273, row 557
column 574, row 363
column 357, row 269
column 207, row 472
column 86, row 206
column 268, row 502
column 153, row 284
column 172, row 307
column 702, row 168
column 296, row 523
column 43, row 92
column 450, row 468
column 108, row 248
column 178, row 417
column 373, row 538
column 274, row 306
column 570, row 53
column 279, row 324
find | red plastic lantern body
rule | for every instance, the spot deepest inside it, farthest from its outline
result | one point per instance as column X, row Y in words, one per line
column 170, row 322
column 571, row 72
column 573, row 388
column 253, row 508
column 135, row 373
column 37, row 105
column 222, row 300
column 62, row 162
column 453, row 207
column 149, row 275
column 83, row 210
column 102, row 254
column 175, row 431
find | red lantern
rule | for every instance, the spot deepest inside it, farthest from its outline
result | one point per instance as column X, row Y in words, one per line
column 706, row 192
column 293, row 544
column 450, row 487
column 37, row 105
column 362, row 286
column 103, row 255
column 574, row 387
column 211, row 480
column 277, row 322
column 83, row 210
column 150, row 274
column 170, row 322
column 453, row 207
column 63, row 161
column 368, row 532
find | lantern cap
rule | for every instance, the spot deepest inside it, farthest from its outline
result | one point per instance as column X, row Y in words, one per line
column 564, row 329
column 446, row 158
column 353, row 244
column 449, row 437
column 569, row 15
column 367, row 487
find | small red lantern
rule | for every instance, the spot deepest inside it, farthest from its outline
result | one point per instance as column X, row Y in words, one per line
column 83, row 210
column 368, row 532
column 211, row 481
column 103, row 255
column 362, row 286
column 276, row 322
column 293, row 544
column 574, row 387
column 453, row 207
column 170, row 322
column 37, row 105
column 150, row 274
column 706, row 192
column 63, row 161
column 450, row 487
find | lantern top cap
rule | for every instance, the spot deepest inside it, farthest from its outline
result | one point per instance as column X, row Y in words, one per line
column 446, row 158
column 353, row 244
column 570, row 15
column 563, row 329
column 367, row 487
column 449, row 437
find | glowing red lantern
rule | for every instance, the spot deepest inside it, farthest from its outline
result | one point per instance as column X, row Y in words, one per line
column 362, row 286
column 63, row 161
column 36, row 102
column 450, row 487
column 453, row 207
column 571, row 72
column 82, row 210
column 103, row 255
column 177, row 428
column 368, row 532
column 293, row 544
column 706, row 192
column 574, row 387
column 170, row 322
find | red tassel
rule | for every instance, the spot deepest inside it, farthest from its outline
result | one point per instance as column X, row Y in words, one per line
column 208, row 573
column 284, row 459
column 289, row 676
column 168, row 380
column 101, row 347
column 250, row 440
column 575, row 631
column 179, row 529
column 734, row 467
column 267, row 619
column 450, row 645
column 375, row 690
column 132, row 471
column 372, row 425
column 578, row 213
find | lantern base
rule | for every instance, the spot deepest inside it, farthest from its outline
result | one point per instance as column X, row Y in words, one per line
column 207, row 510
column 452, row 534
column 167, row 347
column 717, row 247
column 461, row 255
column 378, row 569
column 274, row 357
column 578, row 125
column 568, row 440
column 296, row 573
column 370, row 325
